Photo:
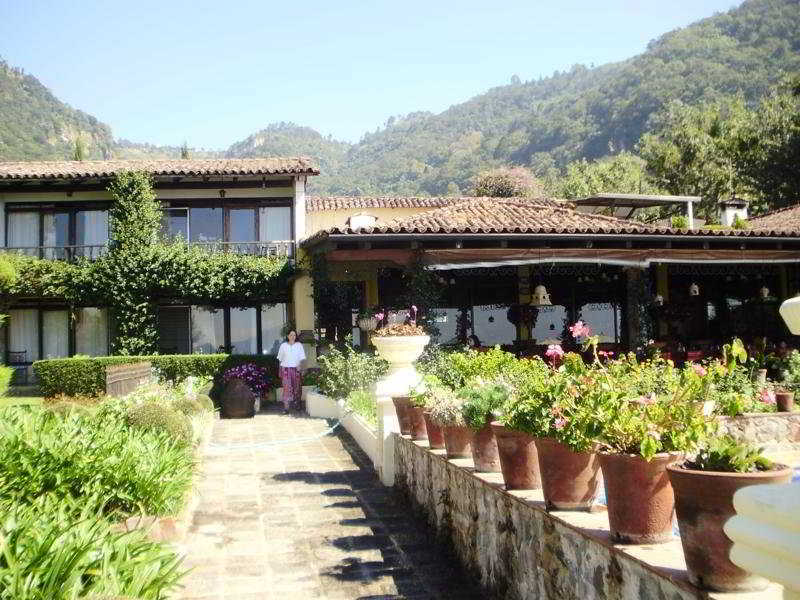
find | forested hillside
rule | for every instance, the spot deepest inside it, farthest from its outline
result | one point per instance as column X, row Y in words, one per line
column 34, row 124
column 544, row 124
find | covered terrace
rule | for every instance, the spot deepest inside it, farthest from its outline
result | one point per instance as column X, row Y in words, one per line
column 516, row 272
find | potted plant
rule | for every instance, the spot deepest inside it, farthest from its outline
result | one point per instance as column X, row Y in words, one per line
column 790, row 383
column 445, row 411
column 367, row 321
column 704, row 489
column 481, row 400
column 658, row 419
column 420, row 399
column 400, row 344
column 243, row 383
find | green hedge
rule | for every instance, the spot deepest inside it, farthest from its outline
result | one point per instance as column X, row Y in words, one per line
column 87, row 376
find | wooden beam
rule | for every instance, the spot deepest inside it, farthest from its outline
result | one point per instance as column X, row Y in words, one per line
column 48, row 186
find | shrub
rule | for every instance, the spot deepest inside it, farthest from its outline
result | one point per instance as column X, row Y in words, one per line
column 347, row 370
column 57, row 550
column 87, row 376
column 94, row 459
column 187, row 406
column 161, row 419
column 205, row 402
column 363, row 404
column 481, row 400
column 444, row 406
column 6, row 373
column 679, row 222
column 64, row 408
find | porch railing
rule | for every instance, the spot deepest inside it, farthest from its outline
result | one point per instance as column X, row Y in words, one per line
column 279, row 248
column 67, row 253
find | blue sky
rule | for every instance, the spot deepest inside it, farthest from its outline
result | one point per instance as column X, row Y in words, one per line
column 213, row 72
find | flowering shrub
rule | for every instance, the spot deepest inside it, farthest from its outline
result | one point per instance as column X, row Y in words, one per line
column 444, row 406
column 345, row 370
column 257, row 378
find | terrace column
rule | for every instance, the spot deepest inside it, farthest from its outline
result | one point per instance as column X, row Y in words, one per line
column 634, row 282
column 302, row 287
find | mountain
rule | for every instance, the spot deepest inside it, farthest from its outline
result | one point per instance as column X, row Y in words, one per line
column 544, row 124
column 35, row 125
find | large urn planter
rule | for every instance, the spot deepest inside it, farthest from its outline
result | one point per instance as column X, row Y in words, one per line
column 519, row 461
column 639, row 497
column 435, row 434
column 401, row 406
column 704, row 502
column 569, row 479
column 457, row 441
column 237, row 401
column 485, row 456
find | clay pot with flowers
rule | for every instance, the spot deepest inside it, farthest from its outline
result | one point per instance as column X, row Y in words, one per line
column 704, row 488
column 482, row 400
column 243, row 384
column 420, row 398
column 445, row 411
column 400, row 341
column 655, row 420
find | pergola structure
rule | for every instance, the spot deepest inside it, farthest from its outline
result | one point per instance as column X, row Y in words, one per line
column 689, row 290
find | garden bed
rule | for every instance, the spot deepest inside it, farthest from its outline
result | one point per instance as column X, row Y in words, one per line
column 520, row 551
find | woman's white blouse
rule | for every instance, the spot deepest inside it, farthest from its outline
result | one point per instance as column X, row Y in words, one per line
column 291, row 355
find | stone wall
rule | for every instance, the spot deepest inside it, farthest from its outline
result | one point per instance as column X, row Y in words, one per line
column 521, row 552
column 123, row 379
column 777, row 433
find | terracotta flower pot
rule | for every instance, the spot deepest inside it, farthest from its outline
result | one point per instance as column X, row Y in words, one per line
column 519, row 460
column 457, row 441
column 401, row 404
column 238, row 400
column 639, row 497
column 704, row 501
column 435, row 434
column 569, row 479
column 416, row 421
column 484, row 450
column 785, row 401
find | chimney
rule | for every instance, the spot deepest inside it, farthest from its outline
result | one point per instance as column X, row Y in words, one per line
column 730, row 209
column 361, row 221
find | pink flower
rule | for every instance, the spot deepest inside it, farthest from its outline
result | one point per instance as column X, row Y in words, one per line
column 580, row 329
column 379, row 316
column 605, row 353
column 767, row 396
column 646, row 400
column 700, row 370
column 560, row 423
column 554, row 351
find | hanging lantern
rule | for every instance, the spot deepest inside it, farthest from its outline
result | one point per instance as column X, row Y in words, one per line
column 694, row 290
column 540, row 297
column 790, row 311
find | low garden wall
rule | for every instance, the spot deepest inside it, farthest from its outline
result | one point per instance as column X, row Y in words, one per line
column 367, row 437
column 777, row 433
column 521, row 552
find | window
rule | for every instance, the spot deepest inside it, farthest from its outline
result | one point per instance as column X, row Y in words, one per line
column 208, row 330
column 23, row 333
column 490, row 324
column 273, row 319
column 23, row 230
column 244, row 332
column 91, row 227
column 55, row 333
column 549, row 324
column 275, row 223
column 206, row 224
column 175, row 223
column 91, row 332
column 242, row 225
column 604, row 319
column 55, row 234
column 446, row 320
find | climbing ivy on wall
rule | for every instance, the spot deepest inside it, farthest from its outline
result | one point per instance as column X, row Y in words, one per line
column 140, row 269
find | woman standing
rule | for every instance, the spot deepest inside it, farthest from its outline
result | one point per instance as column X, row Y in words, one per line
column 290, row 355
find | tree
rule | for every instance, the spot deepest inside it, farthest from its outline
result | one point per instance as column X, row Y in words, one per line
column 185, row 150
column 508, row 182
column 622, row 173
column 768, row 153
column 79, row 151
column 695, row 151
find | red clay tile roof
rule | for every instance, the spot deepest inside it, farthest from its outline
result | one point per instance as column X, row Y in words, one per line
column 70, row 169
column 498, row 215
column 784, row 219
column 324, row 203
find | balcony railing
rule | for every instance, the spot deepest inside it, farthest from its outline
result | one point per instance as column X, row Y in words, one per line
column 67, row 253
column 280, row 249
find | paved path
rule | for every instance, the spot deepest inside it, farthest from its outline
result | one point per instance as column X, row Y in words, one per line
column 307, row 520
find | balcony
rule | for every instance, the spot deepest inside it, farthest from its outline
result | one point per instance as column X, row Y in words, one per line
column 272, row 249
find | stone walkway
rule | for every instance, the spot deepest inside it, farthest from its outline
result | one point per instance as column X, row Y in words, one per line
column 307, row 520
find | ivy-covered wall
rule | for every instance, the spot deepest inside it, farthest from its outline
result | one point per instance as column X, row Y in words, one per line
column 140, row 270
